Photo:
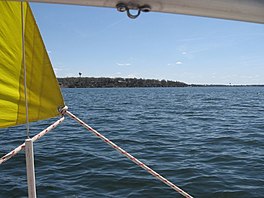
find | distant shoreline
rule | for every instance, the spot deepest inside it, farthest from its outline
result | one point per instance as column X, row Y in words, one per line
column 105, row 82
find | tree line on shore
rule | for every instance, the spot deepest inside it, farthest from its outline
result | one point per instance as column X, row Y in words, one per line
column 92, row 82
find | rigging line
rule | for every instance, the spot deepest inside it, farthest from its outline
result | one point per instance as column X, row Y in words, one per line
column 24, row 66
column 35, row 138
column 129, row 156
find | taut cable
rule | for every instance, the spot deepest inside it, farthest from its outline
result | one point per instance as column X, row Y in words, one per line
column 36, row 137
column 129, row 156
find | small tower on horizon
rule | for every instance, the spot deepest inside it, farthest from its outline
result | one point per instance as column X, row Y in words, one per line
column 80, row 74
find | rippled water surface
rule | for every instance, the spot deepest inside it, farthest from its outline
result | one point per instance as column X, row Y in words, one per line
column 208, row 141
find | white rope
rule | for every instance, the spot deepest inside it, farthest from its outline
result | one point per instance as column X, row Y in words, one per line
column 35, row 138
column 129, row 156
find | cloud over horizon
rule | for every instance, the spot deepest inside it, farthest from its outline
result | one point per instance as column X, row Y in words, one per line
column 123, row 64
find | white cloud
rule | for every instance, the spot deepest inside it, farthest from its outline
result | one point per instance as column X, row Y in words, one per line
column 123, row 64
column 131, row 76
column 60, row 70
column 173, row 64
column 183, row 53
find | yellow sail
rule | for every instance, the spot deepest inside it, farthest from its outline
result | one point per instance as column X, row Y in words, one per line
column 43, row 92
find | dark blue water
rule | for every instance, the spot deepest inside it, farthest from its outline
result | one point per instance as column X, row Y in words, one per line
column 208, row 141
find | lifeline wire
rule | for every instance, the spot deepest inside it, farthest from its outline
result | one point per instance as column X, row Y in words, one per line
column 24, row 67
column 129, row 156
column 36, row 137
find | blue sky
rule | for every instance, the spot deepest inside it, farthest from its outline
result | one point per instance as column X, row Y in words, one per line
column 102, row 42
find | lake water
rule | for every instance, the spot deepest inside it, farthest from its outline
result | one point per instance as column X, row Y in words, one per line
column 208, row 141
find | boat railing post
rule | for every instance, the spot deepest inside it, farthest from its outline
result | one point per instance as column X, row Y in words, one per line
column 30, row 168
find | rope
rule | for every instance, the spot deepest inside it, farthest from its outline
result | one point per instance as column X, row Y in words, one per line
column 24, row 67
column 129, row 156
column 35, row 138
